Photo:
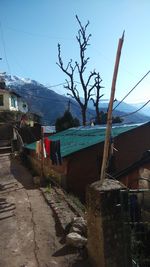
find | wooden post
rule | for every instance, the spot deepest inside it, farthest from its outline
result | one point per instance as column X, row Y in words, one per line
column 109, row 115
column 42, row 153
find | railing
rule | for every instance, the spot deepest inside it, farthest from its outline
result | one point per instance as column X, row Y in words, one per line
column 138, row 219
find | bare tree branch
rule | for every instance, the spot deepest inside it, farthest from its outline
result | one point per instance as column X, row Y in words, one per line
column 79, row 67
column 98, row 87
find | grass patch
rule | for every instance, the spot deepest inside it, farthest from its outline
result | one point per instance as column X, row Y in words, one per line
column 48, row 188
column 76, row 201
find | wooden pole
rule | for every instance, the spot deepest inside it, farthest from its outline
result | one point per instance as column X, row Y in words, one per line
column 42, row 153
column 109, row 115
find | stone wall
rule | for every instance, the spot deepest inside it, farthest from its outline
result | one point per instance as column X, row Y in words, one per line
column 52, row 172
column 108, row 238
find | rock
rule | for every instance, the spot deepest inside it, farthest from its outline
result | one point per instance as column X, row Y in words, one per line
column 36, row 180
column 79, row 225
column 75, row 230
column 76, row 240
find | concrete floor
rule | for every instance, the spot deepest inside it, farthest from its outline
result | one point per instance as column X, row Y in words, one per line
column 28, row 236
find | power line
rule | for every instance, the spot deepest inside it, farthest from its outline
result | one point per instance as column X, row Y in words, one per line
column 135, row 110
column 36, row 96
column 4, row 47
column 56, row 101
column 122, row 115
column 90, row 113
column 77, row 105
column 55, row 85
column 19, row 66
column 28, row 33
column 132, row 89
column 36, row 34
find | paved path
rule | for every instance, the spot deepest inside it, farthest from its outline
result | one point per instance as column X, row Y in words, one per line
column 28, row 236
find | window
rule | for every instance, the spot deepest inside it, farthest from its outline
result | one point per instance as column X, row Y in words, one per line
column 24, row 105
column 13, row 101
column 1, row 100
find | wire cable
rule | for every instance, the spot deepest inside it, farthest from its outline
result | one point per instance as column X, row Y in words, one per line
column 58, row 101
column 132, row 89
column 4, row 47
column 135, row 110
column 90, row 113
column 55, row 85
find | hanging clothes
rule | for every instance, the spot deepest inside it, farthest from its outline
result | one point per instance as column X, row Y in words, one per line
column 44, row 151
column 14, row 134
column 47, row 143
column 58, row 153
column 38, row 148
column 55, row 153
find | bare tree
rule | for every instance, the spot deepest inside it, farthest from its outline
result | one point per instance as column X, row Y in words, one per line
column 98, row 96
column 87, row 84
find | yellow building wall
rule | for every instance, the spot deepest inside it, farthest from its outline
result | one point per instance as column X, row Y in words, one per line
column 5, row 101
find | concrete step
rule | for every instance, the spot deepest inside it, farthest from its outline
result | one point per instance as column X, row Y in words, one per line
column 5, row 143
column 5, row 155
column 5, row 149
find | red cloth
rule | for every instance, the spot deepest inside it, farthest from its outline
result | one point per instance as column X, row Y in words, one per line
column 47, row 146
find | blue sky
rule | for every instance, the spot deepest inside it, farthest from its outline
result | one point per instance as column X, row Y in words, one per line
column 31, row 29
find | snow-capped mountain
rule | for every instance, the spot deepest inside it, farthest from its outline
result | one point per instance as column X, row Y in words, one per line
column 15, row 80
column 41, row 100
column 51, row 105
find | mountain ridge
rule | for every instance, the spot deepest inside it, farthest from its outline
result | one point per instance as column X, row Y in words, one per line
column 51, row 105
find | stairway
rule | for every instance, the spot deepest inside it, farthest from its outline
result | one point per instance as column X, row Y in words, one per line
column 5, row 147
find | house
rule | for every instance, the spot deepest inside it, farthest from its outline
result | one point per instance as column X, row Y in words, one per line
column 137, row 175
column 11, row 101
column 14, row 114
column 82, row 153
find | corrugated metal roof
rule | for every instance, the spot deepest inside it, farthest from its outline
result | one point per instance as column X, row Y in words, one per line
column 49, row 129
column 75, row 139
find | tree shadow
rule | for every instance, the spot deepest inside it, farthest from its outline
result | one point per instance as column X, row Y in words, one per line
column 21, row 174
column 5, row 209
column 81, row 263
column 66, row 250
column 79, row 256
column 2, row 199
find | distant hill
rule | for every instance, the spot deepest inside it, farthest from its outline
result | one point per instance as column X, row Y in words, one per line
column 145, row 110
column 123, row 109
column 51, row 105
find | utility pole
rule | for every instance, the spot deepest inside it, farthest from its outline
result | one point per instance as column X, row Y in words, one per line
column 42, row 154
column 109, row 115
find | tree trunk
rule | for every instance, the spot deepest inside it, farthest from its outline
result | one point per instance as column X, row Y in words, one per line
column 84, row 116
column 98, row 115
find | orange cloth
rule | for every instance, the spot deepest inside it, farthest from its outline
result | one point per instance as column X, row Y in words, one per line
column 38, row 148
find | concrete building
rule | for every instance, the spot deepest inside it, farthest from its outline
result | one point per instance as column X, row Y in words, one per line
column 11, row 101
